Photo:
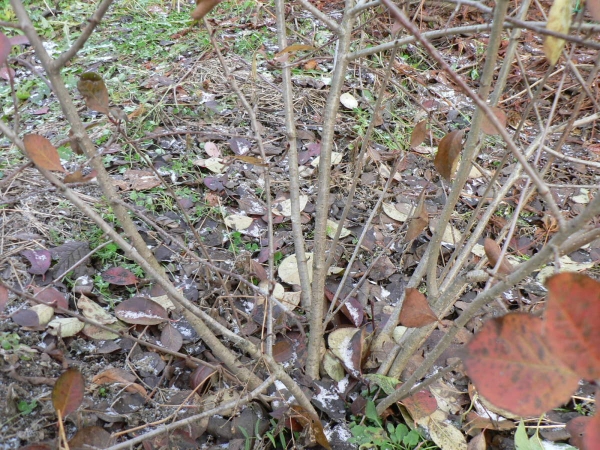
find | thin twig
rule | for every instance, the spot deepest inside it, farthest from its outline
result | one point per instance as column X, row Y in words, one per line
column 195, row 418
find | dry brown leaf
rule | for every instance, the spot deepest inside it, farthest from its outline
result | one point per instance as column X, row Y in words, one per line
column 418, row 134
column 492, row 251
column 415, row 311
column 41, row 151
column 203, row 7
column 91, row 86
column 312, row 422
column 116, row 375
column 487, row 127
column 295, row 48
column 418, row 221
column 446, row 158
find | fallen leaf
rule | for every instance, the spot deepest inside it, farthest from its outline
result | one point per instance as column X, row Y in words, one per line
column 288, row 269
column 348, row 100
column 486, row 125
column 94, row 311
column 399, row 212
column 444, row 434
column 419, row 220
column 141, row 311
column 119, row 276
column 67, row 394
column 93, row 436
column 419, row 133
column 93, row 90
column 493, row 251
column 420, row 404
column 26, row 318
column 284, row 207
column 416, row 311
column 65, row 326
column 332, row 228
column 39, row 259
column 295, row 48
column 238, row 222
column 43, row 154
column 449, row 149
column 346, row 344
column 511, row 365
column 306, row 419
column 121, row 376
column 171, row 338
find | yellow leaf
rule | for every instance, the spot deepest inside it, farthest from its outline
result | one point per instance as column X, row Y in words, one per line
column 559, row 20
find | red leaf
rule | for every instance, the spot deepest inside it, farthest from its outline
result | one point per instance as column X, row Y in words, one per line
column 446, row 158
column 41, row 151
column 141, row 311
column 512, row 367
column 50, row 296
column 576, row 428
column 573, row 322
column 591, row 439
column 91, row 86
column 486, row 125
column 415, row 311
column 119, row 276
column 39, row 259
column 421, row 404
column 5, row 47
column 67, row 394
column 19, row 39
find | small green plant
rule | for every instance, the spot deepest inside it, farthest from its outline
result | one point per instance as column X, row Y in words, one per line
column 277, row 258
column 275, row 432
column 102, row 286
column 236, row 243
column 108, row 253
column 10, row 343
column 26, row 407
column 371, row 434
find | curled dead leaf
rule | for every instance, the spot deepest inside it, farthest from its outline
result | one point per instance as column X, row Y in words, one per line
column 449, row 149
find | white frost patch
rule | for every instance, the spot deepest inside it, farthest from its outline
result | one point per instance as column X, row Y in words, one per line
column 325, row 396
column 354, row 312
column 343, row 384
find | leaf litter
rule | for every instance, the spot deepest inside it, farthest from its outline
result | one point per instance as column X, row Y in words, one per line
column 173, row 335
